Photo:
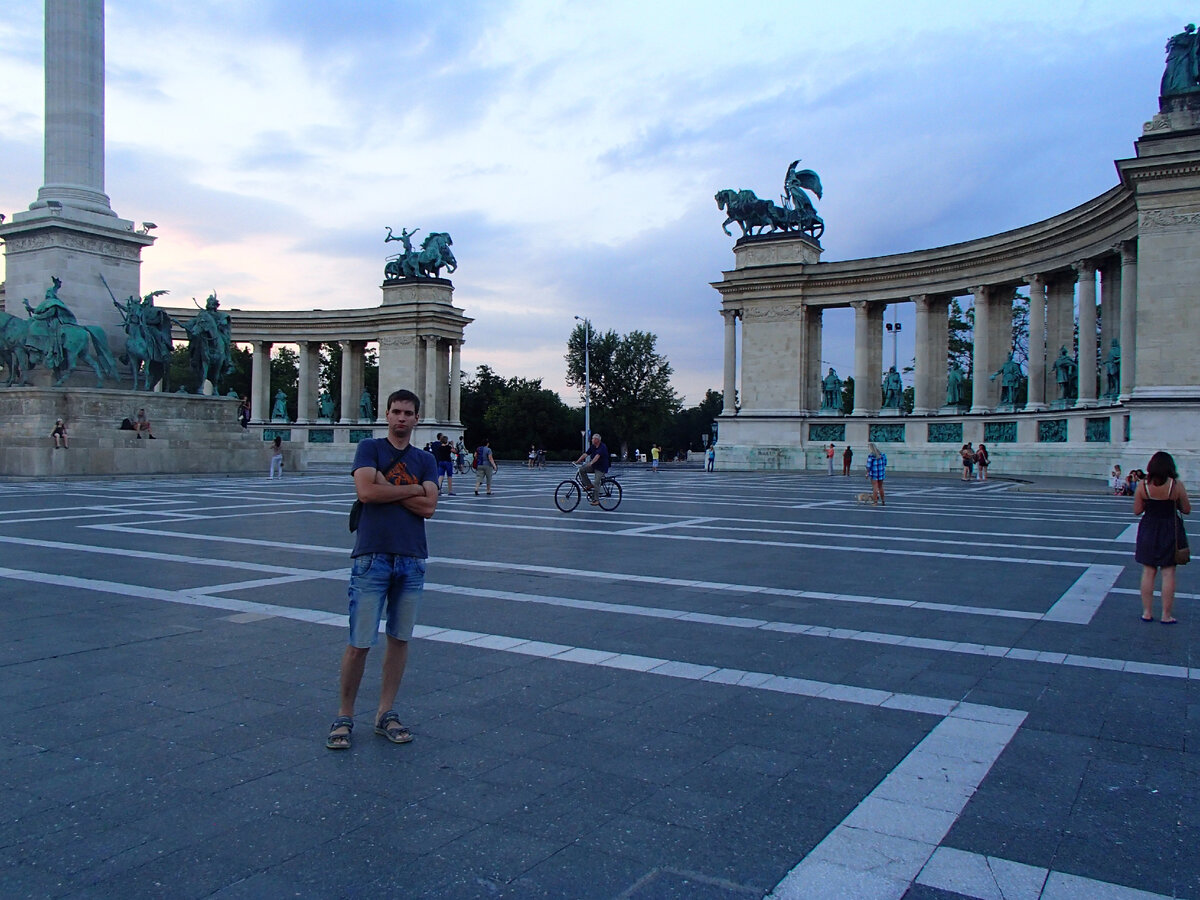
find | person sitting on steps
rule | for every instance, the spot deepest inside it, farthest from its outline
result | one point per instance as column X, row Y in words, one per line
column 141, row 423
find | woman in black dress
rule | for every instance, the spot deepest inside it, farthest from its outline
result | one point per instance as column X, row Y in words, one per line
column 1159, row 532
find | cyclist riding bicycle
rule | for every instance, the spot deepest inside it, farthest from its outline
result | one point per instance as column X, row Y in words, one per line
column 597, row 460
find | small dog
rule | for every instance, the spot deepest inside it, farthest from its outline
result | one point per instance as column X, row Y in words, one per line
column 867, row 497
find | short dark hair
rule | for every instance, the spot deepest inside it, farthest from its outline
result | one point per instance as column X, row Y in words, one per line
column 1161, row 467
column 403, row 396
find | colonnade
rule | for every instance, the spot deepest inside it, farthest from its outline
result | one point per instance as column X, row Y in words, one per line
column 1104, row 287
column 437, row 370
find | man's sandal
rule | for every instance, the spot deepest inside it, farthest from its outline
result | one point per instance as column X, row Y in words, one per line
column 389, row 726
column 340, row 741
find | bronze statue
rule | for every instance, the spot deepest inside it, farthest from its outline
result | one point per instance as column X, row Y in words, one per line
column 279, row 410
column 1010, row 379
column 1066, row 374
column 893, row 389
column 1182, row 74
column 797, row 213
column 434, row 255
column 1112, row 370
column 210, row 338
column 831, row 391
column 52, row 335
column 366, row 405
column 325, row 405
column 956, row 386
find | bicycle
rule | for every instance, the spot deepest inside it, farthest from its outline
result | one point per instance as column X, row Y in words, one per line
column 568, row 493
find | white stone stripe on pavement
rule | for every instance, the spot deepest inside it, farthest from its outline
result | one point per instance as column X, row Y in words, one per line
column 879, row 849
column 1080, row 602
column 991, row 878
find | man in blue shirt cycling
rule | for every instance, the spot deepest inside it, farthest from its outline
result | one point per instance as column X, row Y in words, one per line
column 598, row 460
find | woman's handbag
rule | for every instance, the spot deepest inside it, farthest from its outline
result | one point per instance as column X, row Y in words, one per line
column 1183, row 554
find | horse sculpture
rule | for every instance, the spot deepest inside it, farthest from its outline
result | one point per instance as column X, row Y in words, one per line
column 144, row 350
column 797, row 213
column 427, row 262
column 79, row 343
column 209, row 344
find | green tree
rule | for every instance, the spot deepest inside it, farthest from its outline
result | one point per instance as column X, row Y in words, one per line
column 632, row 398
column 691, row 426
column 848, row 395
column 961, row 336
column 516, row 412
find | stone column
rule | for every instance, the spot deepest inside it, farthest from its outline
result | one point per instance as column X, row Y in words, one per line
column 348, row 400
column 1037, row 342
column 810, row 363
column 429, row 400
column 982, row 352
column 74, row 140
column 927, row 355
column 863, row 390
column 306, row 408
column 456, row 382
column 729, row 399
column 1128, row 316
column 1110, row 303
column 1086, row 270
column 939, row 336
column 260, row 381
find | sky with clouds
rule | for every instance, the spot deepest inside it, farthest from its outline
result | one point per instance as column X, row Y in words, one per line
column 572, row 149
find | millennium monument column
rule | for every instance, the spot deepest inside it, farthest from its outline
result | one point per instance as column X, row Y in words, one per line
column 70, row 231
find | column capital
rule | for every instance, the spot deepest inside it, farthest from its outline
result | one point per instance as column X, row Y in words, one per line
column 1128, row 251
column 1036, row 279
column 731, row 314
column 923, row 301
column 1084, row 266
column 860, row 305
column 980, row 290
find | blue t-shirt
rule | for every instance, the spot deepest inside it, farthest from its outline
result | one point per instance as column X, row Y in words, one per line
column 389, row 527
column 604, row 460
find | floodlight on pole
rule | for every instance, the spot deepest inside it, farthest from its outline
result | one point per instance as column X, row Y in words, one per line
column 894, row 328
column 587, row 381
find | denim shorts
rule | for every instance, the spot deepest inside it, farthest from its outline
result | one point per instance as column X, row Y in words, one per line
column 384, row 586
column 446, row 468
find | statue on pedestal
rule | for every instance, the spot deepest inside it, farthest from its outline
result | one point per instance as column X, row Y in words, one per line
column 209, row 342
column 325, row 405
column 279, row 410
column 147, row 337
column 831, row 391
column 893, row 389
column 797, row 213
column 434, row 255
column 956, row 386
column 1010, row 379
column 1112, row 370
column 366, row 406
column 52, row 335
column 1066, row 374
column 1182, row 74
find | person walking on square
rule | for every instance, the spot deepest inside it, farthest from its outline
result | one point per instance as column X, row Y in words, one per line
column 276, row 470
column 710, row 458
column 60, row 434
column 485, row 466
column 876, row 471
column 444, row 454
column 847, row 458
column 655, row 453
column 1160, row 533
column 829, row 458
column 982, row 461
column 397, row 485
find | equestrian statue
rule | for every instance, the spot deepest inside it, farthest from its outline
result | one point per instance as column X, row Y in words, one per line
column 210, row 338
column 53, row 337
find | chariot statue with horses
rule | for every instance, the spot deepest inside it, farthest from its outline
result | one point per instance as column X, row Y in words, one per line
column 795, row 212
column 433, row 255
column 52, row 336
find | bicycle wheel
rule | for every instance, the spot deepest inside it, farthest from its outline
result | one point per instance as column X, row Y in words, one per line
column 610, row 494
column 566, row 496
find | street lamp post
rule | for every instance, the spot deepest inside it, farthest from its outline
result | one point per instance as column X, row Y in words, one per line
column 893, row 328
column 587, row 381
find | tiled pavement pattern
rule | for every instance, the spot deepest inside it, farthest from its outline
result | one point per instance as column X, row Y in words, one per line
column 734, row 686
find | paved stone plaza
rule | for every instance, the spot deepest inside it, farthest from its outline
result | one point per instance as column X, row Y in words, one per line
column 736, row 684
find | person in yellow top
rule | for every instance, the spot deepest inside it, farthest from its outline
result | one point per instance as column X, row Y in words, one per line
column 655, row 452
